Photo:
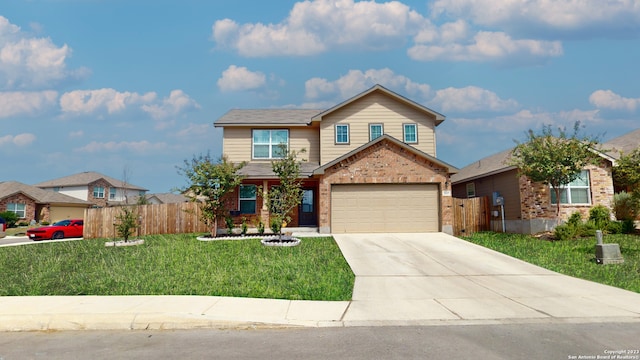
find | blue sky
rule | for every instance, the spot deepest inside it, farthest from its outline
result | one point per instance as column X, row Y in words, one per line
column 109, row 85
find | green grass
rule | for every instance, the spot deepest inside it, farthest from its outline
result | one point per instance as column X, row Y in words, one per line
column 572, row 257
column 178, row 265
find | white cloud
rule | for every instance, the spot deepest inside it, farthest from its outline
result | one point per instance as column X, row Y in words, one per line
column 470, row 98
column 23, row 139
column 240, row 79
column 91, row 101
column 129, row 146
column 28, row 62
column 313, row 27
column 26, row 103
column 607, row 99
column 487, row 46
column 356, row 81
column 177, row 103
column 76, row 134
column 594, row 17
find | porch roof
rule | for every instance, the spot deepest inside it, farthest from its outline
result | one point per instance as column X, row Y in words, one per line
column 263, row 170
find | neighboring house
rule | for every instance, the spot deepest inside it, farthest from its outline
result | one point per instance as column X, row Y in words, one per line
column 98, row 189
column 32, row 203
column 624, row 144
column 530, row 207
column 162, row 198
column 370, row 164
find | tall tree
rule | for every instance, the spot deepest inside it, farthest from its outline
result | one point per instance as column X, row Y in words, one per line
column 209, row 183
column 285, row 197
column 554, row 160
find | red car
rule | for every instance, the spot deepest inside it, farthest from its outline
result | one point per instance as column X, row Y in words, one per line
column 58, row 230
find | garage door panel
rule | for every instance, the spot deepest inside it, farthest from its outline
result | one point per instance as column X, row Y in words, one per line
column 384, row 208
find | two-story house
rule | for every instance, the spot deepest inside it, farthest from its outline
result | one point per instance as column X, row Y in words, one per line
column 98, row 189
column 370, row 164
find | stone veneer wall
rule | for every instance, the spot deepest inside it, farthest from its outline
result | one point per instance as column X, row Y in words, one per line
column 536, row 199
column 101, row 202
column 384, row 162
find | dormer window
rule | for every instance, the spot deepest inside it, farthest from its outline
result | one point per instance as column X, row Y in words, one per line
column 270, row 144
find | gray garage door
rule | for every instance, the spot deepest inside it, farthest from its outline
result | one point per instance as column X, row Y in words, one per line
column 384, row 208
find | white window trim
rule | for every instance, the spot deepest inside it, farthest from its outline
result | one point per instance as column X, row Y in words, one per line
column 112, row 193
column 336, row 134
column 371, row 132
column 98, row 193
column 567, row 189
column 404, row 133
column 272, row 146
column 16, row 211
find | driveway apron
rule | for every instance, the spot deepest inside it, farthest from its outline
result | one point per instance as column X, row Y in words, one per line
column 435, row 277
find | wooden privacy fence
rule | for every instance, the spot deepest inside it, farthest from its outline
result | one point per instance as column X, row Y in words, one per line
column 175, row 218
column 471, row 215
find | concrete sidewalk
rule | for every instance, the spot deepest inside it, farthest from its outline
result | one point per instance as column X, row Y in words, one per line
column 401, row 279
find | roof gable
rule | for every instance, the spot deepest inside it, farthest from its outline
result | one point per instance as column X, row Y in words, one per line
column 86, row 178
column 623, row 144
column 38, row 195
column 450, row 168
column 439, row 118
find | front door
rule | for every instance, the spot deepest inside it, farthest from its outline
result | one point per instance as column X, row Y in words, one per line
column 307, row 209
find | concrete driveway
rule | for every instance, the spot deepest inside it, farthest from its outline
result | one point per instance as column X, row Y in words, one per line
column 435, row 278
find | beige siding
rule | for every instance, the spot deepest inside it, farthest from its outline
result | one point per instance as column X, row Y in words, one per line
column 237, row 142
column 376, row 108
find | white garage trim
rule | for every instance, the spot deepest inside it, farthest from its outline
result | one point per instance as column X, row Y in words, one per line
column 363, row 208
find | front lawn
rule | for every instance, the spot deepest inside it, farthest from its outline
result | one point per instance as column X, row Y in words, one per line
column 178, row 265
column 571, row 257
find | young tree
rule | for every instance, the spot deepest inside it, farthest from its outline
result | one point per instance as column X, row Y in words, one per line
column 209, row 183
column 127, row 222
column 285, row 197
column 554, row 160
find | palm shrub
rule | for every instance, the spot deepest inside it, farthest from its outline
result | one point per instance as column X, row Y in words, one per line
column 600, row 216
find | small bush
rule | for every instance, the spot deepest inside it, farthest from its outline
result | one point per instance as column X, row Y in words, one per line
column 260, row 227
column 275, row 224
column 44, row 223
column 565, row 232
column 625, row 206
column 229, row 222
column 10, row 218
column 23, row 223
column 615, row 227
column 628, row 226
column 600, row 216
column 244, row 228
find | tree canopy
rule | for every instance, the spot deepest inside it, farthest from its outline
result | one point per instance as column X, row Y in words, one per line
column 209, row 183
column 552, row 159
column 627, row 171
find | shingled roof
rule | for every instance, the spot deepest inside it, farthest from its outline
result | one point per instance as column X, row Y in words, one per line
column 86, row 178
column 40, row 196
column 490, row 165
column 264, row 117
column 623, row 144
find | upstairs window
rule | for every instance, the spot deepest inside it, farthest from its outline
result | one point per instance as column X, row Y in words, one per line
column 268, row 144
column 98, row 192
column 342, row 134
column 375, row 131
column 247, row 199
column 112, row 193
column 410, row 133
column 576, row 192
column 18, row 209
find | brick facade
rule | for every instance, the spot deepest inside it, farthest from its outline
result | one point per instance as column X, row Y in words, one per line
column 536, row 197
column 384, row 163
column 100, row 202
column 30, row 206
